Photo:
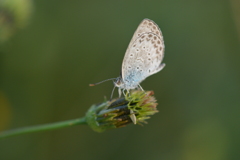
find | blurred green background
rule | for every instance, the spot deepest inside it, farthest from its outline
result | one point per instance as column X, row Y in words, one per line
column 47, row 62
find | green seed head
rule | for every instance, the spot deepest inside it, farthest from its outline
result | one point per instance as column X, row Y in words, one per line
column 136, row 107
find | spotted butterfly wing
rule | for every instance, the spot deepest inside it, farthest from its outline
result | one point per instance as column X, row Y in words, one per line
column 144, row 55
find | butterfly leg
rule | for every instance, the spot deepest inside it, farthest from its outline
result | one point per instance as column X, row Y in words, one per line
column 140, row 87
column 112, row 92
column 119, row 92
column 124, row 92
column 128, row 93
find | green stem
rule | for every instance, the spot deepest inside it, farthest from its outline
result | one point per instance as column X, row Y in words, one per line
column 44, row 127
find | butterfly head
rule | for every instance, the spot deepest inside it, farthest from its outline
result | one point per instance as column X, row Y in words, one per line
column 118, row 82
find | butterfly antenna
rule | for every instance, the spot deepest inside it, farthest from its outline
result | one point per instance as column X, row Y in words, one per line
column 101, row 82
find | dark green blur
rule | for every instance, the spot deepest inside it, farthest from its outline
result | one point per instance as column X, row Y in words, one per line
column 47, row 64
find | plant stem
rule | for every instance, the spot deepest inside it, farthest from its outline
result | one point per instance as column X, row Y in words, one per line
column 44, row 127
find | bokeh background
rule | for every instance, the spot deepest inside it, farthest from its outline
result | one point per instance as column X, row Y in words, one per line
column 51, row 50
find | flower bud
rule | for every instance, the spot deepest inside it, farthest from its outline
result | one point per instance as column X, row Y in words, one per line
column 136, row 107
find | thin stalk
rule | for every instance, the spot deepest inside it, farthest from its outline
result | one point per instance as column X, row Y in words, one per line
column 44, row 127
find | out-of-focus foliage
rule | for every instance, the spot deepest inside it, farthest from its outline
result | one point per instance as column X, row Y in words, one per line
column 5, row 112
column 14, row 15
column 46, row 67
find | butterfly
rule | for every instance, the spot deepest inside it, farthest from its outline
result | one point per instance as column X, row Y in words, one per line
column 142, row 59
